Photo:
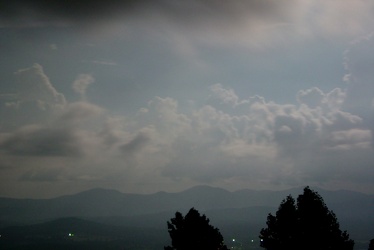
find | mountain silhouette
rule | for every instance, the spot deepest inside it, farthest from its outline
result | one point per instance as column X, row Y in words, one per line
column 242, row 209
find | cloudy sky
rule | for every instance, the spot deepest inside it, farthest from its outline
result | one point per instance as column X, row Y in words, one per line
column 144, row 96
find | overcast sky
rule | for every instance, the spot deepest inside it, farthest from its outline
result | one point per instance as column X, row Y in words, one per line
column 147, row 96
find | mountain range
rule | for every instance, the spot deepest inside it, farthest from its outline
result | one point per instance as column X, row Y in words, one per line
column 237, row 214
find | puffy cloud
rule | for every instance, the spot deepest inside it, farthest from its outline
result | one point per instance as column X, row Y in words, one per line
column 77, row 113
column 227, row 96
column 164, row 116
column 311, row 97
column 32, row 84
column 81, row 84
column 352, row 138
column 359, row 63
column 335, row 99
column 261, row 142
column 226, row 141
column 216, row 145
column 45, row 136
column 112, row 131
column 316, row 98
column 33, row 99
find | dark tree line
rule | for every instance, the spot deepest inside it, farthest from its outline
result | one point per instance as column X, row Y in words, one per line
column 305, row 224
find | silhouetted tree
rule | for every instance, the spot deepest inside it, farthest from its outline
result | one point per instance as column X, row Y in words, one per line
column 281, row 231
column 307, row 225
column 371, row 244
column 193, row 232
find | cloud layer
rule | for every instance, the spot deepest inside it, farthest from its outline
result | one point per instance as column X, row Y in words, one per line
column 229, row 141
column 173, row 125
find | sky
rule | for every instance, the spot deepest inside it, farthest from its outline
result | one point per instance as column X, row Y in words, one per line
column 147, row 96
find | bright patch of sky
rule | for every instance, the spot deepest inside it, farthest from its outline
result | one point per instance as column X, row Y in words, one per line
column 143, row 96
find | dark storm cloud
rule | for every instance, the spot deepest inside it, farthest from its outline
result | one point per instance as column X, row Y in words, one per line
column 67, row 10
column 24, row 12
column 42, row 142
column 135, row 144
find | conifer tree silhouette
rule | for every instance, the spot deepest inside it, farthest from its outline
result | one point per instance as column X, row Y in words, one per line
column 193, row 232
column 307, row 225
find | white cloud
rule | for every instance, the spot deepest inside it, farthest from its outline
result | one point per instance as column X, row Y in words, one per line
column 349, row 139
column 335, row 99
column 229, row 140
column 81, row 83
column 77, row 113
column 225, row 96
column 312, row 97
column 33, row 85
column 262, row 142
column 33, row 99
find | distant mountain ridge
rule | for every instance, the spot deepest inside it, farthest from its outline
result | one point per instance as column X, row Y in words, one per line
column 105, row 202
column 240, row 213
